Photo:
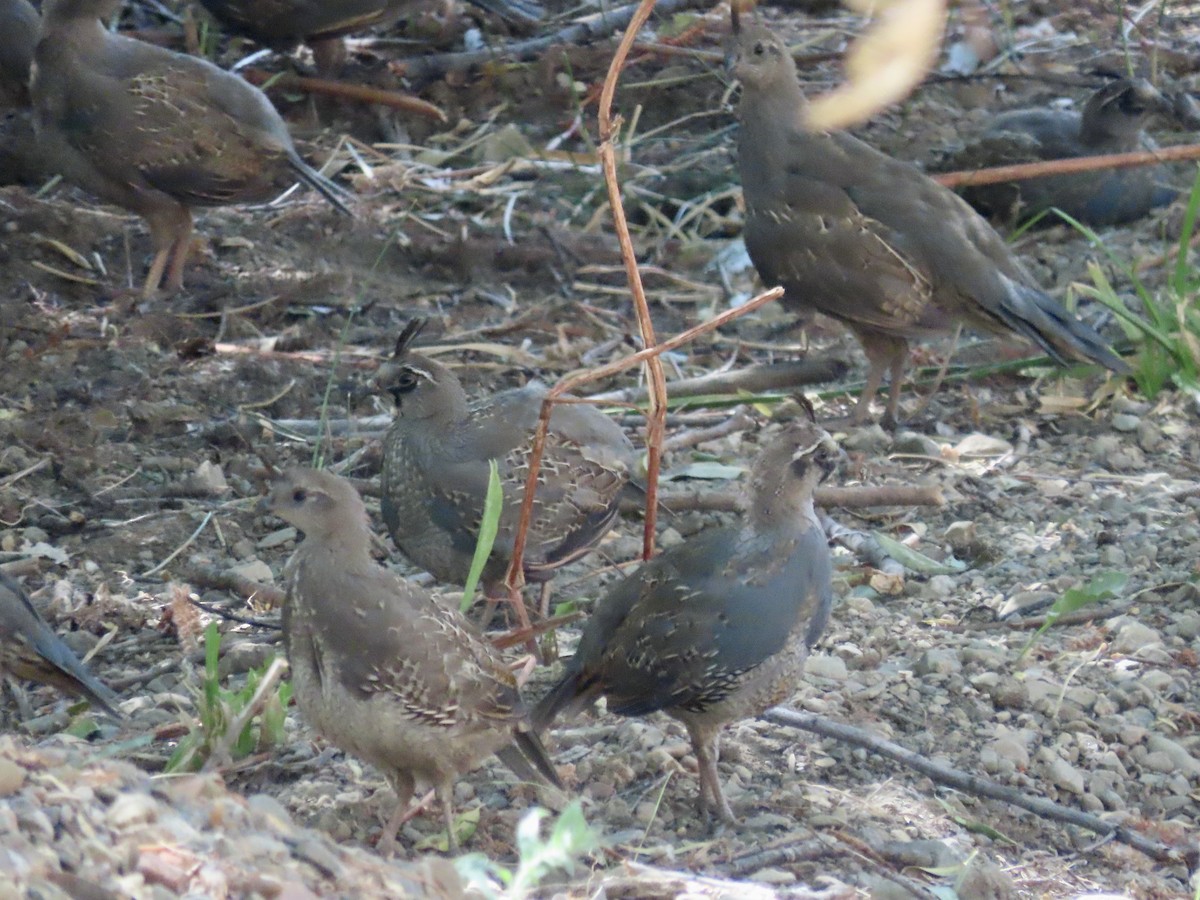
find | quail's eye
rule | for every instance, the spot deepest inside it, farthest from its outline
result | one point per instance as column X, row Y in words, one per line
column 299, row 495
column 406, row 381
column 759, row 49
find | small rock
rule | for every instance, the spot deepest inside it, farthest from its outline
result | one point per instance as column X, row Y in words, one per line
column 1134, row 636
column 12, row 777
column 1125, row 422
column 871, row 439
column 255, row 570
column 985, row 881
column 773, row 876
column 938, row 662
column 825, row 665
column 278, row 538
column 1061, row 773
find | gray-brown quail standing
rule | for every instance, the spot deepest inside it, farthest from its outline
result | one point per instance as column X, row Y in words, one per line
column 435, row 472
column 872, row 241
column 1112, row 121
column 156, row 132
column 717, row 628
column 381, row 667
column 30, row 650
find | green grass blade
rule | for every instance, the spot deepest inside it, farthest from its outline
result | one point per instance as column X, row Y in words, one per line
column 489, row 525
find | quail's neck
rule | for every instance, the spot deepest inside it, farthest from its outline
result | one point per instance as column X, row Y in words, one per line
column 78, row 13
column 786, row 505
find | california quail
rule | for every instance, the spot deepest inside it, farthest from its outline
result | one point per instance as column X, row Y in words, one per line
column 18, row 34
column 435, row 472
column 380, row 666
column 321, row 24
column 872, row 241
column 717, row 628
column 1111, row 122
column 31, row 651
column 154, row 131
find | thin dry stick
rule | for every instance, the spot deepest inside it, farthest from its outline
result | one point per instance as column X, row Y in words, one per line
column 980, row 787
column 342, row 90
column 1070, row 166
column 656, row 417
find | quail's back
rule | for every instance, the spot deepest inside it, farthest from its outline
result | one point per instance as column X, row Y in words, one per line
column 872, row 241
column 380, row 666
column 717, row 628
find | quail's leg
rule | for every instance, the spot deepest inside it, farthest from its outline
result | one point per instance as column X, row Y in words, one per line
column 403, row 784
column 899, row 359
column 170, row 231
column 706, row 743
column 180, row 250
column 884, row 353
column 445, row 792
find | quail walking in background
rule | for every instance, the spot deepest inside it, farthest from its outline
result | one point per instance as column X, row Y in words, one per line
column 30, row 650
column 1112, row 121
column 282, row 24
column 384, row 670
column 18, row 34
column 435, row 472
column 872, row 241
column 154, row 131
column 717, row 628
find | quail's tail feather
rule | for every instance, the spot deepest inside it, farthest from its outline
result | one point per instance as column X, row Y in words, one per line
column 72, row 676
column 337, row 195
column 513, row 10
column 569, row 696
column 1040, row 318
column 528, row 759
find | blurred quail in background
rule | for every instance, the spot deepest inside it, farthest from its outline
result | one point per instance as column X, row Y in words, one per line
column 717, row 628
column 30, row 650
column 1111, row 122
column 381, row 667
column 154, row 131
column 872, row 241
column 18, row 34
column 435, row 472
column 321, row 24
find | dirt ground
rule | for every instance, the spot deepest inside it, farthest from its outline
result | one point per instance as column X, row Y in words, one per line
column 135, row 438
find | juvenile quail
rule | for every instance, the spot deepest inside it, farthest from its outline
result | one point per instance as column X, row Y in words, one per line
column 282, row 24
column 381, row 667
column 435, row 472
column 30, row 650
column 717, row 628
column 154, row 131
column 872, row 241
column 18, row 33
column 1111, row 122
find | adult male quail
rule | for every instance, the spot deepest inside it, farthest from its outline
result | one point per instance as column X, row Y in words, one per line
column 1112, row 121
column 872, row 241
column 282, row 24
column 381, row 667
column 435, row 472
column 717, row 628
column 154, row 131
column 30, row 650
column 18, row 33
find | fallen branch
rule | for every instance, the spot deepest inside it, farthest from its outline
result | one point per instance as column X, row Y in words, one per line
column 1070, row 166
column 749, row 379
column 864, row 497
column 980, row 787
column 582, row 31
column 361, row 93
column 862, row 545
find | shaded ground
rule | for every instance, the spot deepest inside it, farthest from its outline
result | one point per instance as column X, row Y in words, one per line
column 115, row 415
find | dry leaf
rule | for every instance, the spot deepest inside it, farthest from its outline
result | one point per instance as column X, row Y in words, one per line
column 884, row 63
column 887, row 584
column 181, row 616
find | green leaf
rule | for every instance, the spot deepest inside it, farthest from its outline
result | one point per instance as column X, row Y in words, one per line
column 1102, row 587
column 915, row 561
column 489, row 525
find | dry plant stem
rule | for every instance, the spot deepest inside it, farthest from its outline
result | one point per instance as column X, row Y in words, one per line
column 219, row 580
column 980, row 787
column 1070, row 166
column 656, row 417
column 341, row 90
column 739, row 421
column 220, row 755
column 515, row 572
